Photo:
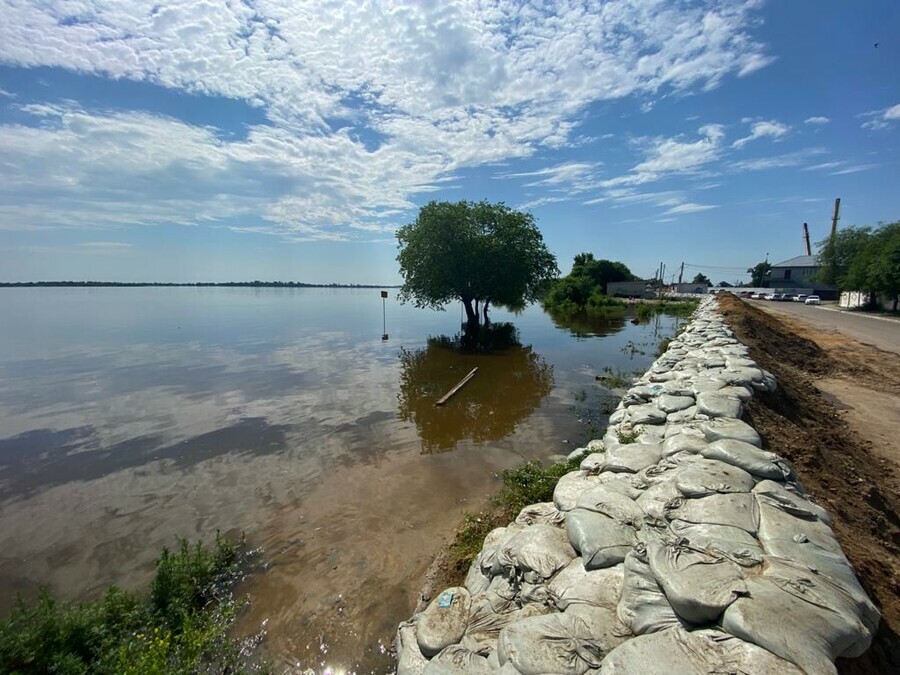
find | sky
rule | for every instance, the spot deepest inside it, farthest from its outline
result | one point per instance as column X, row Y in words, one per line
column 217, row 140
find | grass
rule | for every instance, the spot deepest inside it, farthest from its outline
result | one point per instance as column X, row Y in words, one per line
column 181, row 626
column 615, row 379
column 626, row 437
column 528, row 483
column 644, row 311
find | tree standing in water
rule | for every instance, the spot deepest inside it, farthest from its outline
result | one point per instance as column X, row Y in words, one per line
column 479, row 253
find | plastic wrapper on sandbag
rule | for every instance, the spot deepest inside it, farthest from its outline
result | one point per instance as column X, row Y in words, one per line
column 410, row 660
column 555, row 643
column 613, row 500
column 632, row 457
column 444, row 621
column 699, row 585
column 457, row 660
column 796, row 618
column 750, row 458
column 476, row 582
column 575, row 585
column 543, row 549
column 679, row 652
column 683, row 443
column 724, row 427
column 544, row 513
column 602, row 541
column 705, row 477
column 715, row 404
column 739, row 545
column 643, row 607
column 735, row 509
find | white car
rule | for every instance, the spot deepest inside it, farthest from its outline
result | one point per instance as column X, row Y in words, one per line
column 813, row 300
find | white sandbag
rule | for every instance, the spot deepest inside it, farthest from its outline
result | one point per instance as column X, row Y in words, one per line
column 570, row 486
column 492, row 541
column 738, row 391
column 544, row 513
column 555, row 643
column 476, row 581
column 485, row 623
column 716, row 405
column 676, row 388
column 790, row 618
column 752, row 459
column 444, row 621
column 781, row 518
column 699, row 585
column 682, row 416
column 579, row 586
column 670, row 403
column 706, row 383
column 410, row 660
column 683, row 443
column 736, row 510
column 611, row 500
column 543, row 549
column 679, row 652
column 724, row 427
column 794, row 494
column 705, row 477
column 642, row 606
column 457, row 660
column 593, row 463
column 738, row 544
column 632, row 457
column 647, row 413
column 655, row 498
column 602, row 541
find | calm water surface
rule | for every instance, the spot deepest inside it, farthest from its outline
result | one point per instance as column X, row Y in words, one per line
column 132, row 416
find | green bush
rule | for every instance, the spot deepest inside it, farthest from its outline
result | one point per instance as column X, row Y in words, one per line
column 181, row 626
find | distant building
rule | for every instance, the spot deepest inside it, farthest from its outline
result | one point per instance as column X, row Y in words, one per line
column 689, row 288
column 797, row 272
column 629, row 289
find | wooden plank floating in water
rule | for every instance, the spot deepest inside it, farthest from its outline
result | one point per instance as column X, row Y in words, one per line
column 446, row 397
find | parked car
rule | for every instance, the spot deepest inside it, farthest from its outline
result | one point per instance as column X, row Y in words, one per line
column 813, row 300
column 787, row 297
column 800, row 297
column 777, row 297
column 769, row 296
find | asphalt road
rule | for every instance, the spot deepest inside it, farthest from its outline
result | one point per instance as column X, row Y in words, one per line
column 883, row 332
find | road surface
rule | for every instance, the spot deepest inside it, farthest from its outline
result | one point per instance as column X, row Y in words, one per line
column 882, row 332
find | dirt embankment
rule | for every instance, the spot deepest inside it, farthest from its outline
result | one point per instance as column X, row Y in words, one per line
column 831, row 417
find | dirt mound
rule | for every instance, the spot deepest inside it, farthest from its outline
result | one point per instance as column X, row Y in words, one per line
column 835, row 463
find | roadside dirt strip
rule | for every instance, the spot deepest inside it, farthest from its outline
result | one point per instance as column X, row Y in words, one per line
column 836, row 416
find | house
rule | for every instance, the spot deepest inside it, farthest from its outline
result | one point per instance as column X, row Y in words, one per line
column 798, row 272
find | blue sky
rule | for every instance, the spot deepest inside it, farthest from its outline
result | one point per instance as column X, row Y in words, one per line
column 287, row 140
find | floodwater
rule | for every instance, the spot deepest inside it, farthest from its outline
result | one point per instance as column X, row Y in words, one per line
column 133, row 416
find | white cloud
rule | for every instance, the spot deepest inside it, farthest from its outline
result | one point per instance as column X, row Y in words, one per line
column 779, row 161
column 107, row 245
column 881, row 119
column 817, row 120
column 768, row 128
column 856, row 168
column 7, row 94
column 442, row 86
column 690, row 208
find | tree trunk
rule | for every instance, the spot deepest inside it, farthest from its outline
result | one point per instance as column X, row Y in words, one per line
column 486, row 320
column 894, row 304
column 471, row 313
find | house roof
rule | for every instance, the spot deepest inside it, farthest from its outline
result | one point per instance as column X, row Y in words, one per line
column 799, row 261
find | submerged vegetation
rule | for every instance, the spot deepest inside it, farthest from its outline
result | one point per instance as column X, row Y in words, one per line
column 180, row 626
column 583, row 290
column 644, row 311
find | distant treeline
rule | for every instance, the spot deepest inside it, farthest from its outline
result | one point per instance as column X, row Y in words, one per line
column 254, row 284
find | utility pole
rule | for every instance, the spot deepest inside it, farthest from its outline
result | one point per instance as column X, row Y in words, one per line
column 834, row 253
column 681, row 272
column 806, row 238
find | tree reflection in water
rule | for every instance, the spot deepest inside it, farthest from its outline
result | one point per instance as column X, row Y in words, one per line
column 511, row 382
column 584, row 326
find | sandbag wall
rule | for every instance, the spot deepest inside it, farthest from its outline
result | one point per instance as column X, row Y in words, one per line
column 680, row 546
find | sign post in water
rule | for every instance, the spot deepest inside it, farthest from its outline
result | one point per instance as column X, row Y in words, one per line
column 384, row 335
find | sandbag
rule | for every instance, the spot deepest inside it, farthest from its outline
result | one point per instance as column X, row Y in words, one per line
column 750, row 458
column 632, row 457
column 705, row 477
column 492, row 541
column 554, row 643
column 570, row 486
column 655, row 498
column 792, row 618
column 593, row 463
column 485, row 623
column 793, row 493
column 543, row 549
column 725, row 427
column 544, row 513
column 670, row 403
column 579, row 586
column 739, row 545
column 679, row 652
column 602, row 541
column 646, row 413
column 476, row 582
column 444, row 621
column 410, row 660
column 642, row 606
column 457, row 660
column 735, row 509
column 682, row 416
column 717, row 405
column 782, row 518
column 610, row 501
column 699, row 585
column 738, row 391
column 683, row 443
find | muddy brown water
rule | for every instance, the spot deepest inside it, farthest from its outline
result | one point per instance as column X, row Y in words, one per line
column 131, row 417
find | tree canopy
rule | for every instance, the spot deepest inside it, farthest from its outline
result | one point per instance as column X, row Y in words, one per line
column 874, row 263
column 584, row 289
column 701, row 278
column 475, row 252
column 835, row 257
column 759, row 273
